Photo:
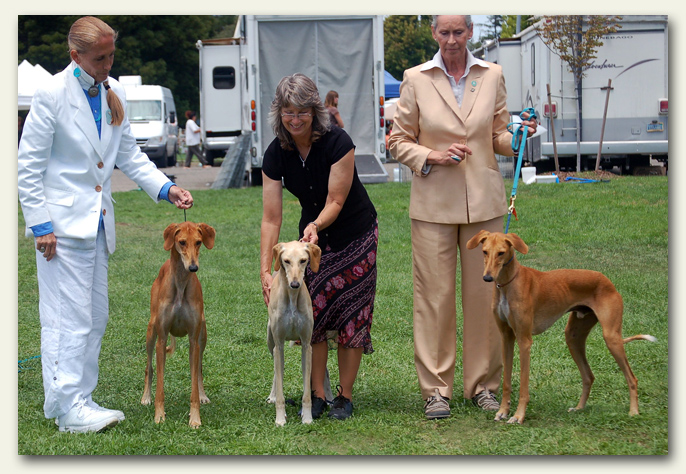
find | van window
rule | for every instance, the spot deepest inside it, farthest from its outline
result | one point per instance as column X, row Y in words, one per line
column 143, row 110
column 224, row 77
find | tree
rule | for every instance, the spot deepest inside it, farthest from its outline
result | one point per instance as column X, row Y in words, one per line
column 407, row 42
column 508, row 24
column 159, row 48
column 576, row 39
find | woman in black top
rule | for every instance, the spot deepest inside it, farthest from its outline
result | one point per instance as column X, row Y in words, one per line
column 316, row 163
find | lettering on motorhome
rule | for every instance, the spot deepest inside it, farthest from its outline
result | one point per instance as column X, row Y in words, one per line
column 603, row 65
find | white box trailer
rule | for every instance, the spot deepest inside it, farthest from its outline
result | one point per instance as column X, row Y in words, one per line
column 635, row 58
column 342, row 53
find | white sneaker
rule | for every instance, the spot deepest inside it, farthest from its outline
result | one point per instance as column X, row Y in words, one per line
column 118, row 413
column 82, row 418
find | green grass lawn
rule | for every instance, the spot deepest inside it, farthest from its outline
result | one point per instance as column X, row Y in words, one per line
column 619, row 228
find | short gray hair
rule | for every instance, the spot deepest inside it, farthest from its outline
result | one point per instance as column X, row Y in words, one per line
column 467, row 20
column 300, row 92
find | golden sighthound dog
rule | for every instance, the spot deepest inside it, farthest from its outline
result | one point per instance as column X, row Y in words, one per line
column 526, row 302
column 176, row 310
column 290, row 319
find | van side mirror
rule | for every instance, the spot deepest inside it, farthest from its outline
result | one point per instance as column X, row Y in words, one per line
column 172, row 117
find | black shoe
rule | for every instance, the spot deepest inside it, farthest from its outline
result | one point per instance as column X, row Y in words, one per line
column 318, row 407
column 342, row 407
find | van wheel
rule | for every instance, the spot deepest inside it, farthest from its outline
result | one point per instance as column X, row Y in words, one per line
column 171, row 160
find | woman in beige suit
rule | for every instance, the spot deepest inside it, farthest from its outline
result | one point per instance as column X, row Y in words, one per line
column 450, row 121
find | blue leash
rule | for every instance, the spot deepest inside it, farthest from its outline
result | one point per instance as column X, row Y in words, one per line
column 518, row 145
column 21, row 367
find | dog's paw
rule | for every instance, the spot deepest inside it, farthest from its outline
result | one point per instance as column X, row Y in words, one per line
column 500, row 416
column 204, row 399
column 280, row 420
column 270, row 399
column 145, row 400
column 515, row 420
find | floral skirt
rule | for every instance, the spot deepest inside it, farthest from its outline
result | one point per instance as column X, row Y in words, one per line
column 343, row 292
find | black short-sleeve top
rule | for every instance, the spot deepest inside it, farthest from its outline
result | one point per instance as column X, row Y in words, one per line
column 309, row 183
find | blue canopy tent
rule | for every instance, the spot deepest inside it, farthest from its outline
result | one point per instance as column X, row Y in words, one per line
column 392, row 85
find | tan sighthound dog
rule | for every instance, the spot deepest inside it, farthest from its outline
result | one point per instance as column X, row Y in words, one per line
column 290, row 319
column 176, row 310
column 526, row 302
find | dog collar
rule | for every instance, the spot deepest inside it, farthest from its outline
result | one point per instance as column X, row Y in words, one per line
column 505, row 284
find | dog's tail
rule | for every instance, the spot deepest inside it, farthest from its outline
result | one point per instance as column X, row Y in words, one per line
column 646, row 337
column 172, row 345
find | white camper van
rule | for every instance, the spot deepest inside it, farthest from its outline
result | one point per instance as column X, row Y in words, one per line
column 154, row 123
column 635, row 59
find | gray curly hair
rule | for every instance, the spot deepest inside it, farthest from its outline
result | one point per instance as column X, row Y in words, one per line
column 300, row 92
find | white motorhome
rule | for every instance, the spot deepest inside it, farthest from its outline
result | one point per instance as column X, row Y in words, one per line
column 239, row 75
column 154, row 123
column 635, row 59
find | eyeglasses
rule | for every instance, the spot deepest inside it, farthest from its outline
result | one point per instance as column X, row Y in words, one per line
column 291, row 116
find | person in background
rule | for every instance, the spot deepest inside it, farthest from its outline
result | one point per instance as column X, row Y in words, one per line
column 193, row 141
column 316, row 163
column 331, row 104
column 450, row 121
column 74, row 135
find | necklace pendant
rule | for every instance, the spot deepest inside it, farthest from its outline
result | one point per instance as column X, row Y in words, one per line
column 93, row 91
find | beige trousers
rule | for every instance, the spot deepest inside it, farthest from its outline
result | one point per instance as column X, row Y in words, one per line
column 434, row 260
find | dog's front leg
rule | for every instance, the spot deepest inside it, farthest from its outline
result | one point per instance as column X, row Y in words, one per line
column 524, row 340
column 278, row 384
column 194, row 359
column 270, row 344
column 150, row 338
column 161, row 353
column 203, row 343
column 306, row 362
column 508, row 358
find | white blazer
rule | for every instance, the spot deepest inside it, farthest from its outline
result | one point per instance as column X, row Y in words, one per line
column 65, row 169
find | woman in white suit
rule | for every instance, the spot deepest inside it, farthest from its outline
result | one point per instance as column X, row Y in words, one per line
column 75, row 133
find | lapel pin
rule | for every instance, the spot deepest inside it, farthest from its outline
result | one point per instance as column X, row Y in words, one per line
column 109, row 117
column 473, row 83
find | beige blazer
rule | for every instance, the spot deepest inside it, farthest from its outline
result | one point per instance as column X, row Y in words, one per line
column 428, row 118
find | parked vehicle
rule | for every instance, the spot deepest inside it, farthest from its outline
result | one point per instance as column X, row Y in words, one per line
column 635, row 58
column 239, row 75
column 154, row 123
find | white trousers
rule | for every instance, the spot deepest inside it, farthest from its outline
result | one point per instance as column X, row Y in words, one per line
column 74, row 310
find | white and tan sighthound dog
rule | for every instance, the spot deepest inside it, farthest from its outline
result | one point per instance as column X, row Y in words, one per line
column 290, row 319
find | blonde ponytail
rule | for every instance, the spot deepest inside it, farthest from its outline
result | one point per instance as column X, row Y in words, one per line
column 115, row 105
column 83, row 34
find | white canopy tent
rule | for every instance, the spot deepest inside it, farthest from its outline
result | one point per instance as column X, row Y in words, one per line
column 28, row 78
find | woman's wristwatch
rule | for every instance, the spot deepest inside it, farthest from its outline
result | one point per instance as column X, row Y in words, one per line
column 315, row 225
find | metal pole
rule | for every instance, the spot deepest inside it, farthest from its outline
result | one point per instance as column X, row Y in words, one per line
column 552, row 130
column 602, row 128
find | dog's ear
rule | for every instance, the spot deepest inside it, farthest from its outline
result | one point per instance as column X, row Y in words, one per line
column 276, row 252
column 315, row 256
column 169, row 233
column 208, row 234
column 477, row 239
column 517, row 243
